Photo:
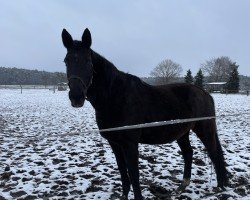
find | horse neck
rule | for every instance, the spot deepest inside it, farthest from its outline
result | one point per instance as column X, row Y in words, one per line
column 104, row 74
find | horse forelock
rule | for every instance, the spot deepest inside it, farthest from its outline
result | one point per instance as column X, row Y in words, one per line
column 77, row 44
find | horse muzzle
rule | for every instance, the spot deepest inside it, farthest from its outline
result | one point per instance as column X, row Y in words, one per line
column 77, row 101
column 78, row 91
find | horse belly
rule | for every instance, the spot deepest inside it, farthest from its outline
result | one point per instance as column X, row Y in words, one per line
column 160, row 135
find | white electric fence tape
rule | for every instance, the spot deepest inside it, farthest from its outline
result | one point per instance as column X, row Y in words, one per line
column 130, row 127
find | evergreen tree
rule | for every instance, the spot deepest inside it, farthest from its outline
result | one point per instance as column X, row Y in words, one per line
column 189, row 78
column 233, row 82
column 199, row 79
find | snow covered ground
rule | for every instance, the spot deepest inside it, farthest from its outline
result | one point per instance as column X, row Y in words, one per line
column 83, row 166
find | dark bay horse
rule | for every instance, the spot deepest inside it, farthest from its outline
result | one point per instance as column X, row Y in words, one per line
column 123, row 99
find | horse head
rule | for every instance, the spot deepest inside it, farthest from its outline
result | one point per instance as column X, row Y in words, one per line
column 79, row 66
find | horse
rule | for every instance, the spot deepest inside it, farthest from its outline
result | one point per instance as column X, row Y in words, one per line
column 121, row 99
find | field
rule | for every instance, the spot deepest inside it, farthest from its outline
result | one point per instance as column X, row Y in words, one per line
column 82, row 166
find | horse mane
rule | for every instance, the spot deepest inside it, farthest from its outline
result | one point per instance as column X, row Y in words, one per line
column 107, row 68
column 101, row 64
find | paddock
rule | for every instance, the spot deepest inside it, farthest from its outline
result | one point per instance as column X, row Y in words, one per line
column 83, row 167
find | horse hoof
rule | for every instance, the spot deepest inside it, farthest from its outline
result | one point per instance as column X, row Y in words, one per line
column 221, row 187
column 183, row 185
column 180, row 189
column 124, row 197
column 223, row 184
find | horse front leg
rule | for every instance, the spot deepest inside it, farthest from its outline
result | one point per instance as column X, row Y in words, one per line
column 119, row 155
column 131, row 155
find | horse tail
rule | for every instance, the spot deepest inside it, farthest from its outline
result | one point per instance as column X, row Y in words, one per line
column 207, row 132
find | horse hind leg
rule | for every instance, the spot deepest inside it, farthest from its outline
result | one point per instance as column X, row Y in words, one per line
column 187, row 153
column 206, row 131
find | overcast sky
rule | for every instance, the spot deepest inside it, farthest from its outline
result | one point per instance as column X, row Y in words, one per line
column 134, row 34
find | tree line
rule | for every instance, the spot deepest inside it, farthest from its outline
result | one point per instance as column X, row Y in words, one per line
column 16, row 76
column 221, row 69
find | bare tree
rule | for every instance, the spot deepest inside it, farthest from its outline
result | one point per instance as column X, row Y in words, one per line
column 218, row 69
column 166, row 71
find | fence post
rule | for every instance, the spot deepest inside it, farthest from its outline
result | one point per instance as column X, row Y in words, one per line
column 21, row 89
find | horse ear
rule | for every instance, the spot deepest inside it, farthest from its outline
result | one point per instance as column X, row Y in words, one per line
column 67, row 39
column 86, row 38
